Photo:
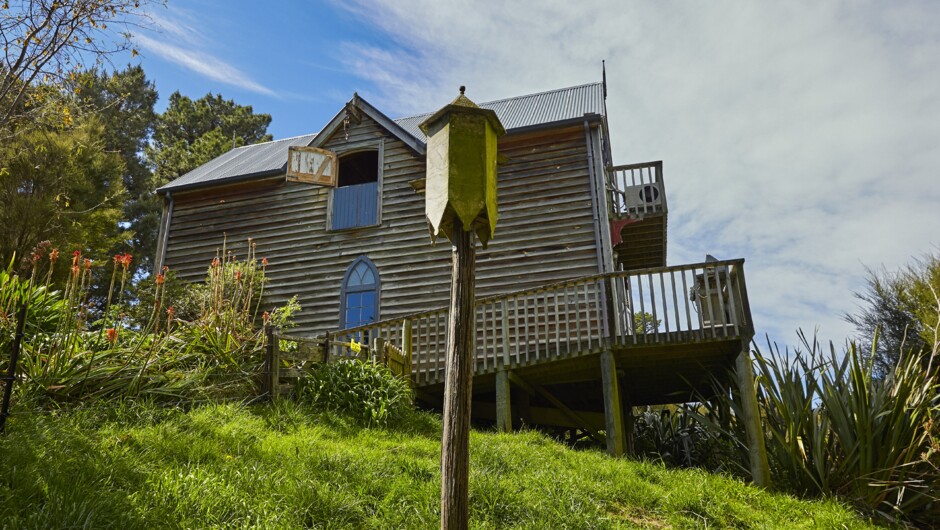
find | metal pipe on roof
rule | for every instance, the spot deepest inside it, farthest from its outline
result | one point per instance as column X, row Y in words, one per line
column 595, row 213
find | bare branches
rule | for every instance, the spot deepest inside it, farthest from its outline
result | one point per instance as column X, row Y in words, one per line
column 48, row 41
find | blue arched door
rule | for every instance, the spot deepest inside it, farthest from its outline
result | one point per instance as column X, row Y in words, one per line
column 359, row 303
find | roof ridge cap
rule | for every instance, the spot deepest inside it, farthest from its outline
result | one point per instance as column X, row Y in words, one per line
column 277, row 140
column 413, row 116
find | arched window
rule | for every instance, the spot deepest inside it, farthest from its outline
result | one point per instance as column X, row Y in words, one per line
column 359, row 299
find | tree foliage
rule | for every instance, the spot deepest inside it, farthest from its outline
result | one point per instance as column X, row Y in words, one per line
column 188, row 134
column 61, row 185
column 192, row 132
column 124, row 101
column 902, row 307
column 49, row 41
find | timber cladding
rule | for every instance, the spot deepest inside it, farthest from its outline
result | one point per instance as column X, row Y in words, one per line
column 545, row 230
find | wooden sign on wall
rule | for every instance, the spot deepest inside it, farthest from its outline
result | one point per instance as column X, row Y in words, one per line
column 312, row 165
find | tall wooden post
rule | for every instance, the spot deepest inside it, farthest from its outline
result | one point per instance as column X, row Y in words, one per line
column 757, row 451
column 455, row 446
column 503, row 401
column 613, row 413
column 460, row 201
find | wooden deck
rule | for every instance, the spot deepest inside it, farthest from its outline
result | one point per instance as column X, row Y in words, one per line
column 669, row 329
column 577, row 355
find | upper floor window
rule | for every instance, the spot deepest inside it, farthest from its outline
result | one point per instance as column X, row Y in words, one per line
column 355, row 201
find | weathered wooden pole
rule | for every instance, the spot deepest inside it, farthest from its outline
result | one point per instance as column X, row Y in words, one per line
column 460, row 201
column 11, row 371
column 757, row 451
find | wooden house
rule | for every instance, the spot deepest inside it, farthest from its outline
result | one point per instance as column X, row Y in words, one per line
column 578, row 315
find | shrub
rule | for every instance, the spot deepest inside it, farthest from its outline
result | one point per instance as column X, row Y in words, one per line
column 832, row 427
column 678, row 438
column 369, row 393
column 74, row 351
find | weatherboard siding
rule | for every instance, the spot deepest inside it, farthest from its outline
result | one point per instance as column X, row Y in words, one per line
column 545, row 229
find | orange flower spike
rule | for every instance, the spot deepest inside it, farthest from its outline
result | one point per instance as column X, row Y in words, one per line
column 74, row 270
column 216, row 263
column 264, row 262
column 238, row 276
column 112, row 335
column 87, row 263
column 160, row 279
column 75, row 257
column 54, row 255
column 265, row 317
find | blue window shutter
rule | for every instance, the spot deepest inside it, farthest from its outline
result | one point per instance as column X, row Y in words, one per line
column 355, row 205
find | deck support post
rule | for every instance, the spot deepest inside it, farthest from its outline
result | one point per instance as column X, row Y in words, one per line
column 613, row 411
column 757, row 452
column 629, row 422
column 503, row 402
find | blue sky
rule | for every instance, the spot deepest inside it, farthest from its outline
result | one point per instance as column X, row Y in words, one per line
column 802, row 136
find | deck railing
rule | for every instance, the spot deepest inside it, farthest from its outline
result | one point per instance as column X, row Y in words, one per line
column 635, row 190
column 648, row 307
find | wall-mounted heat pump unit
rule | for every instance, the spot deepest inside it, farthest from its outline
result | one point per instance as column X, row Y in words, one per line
column 643, row 197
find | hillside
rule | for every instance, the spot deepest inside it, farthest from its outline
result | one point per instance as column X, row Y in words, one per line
column 286, row 467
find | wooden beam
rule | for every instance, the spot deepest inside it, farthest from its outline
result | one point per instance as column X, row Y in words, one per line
column 613, row 412
column 757, row 452
column 503, row 404
column 535, row 389
column 545, row 416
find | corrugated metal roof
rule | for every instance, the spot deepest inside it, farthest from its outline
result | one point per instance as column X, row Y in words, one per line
column 243, row 161
column 534, row 109
column 514, row 113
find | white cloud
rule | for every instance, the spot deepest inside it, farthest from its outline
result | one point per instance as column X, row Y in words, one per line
column 191, row 54
column 801, row 136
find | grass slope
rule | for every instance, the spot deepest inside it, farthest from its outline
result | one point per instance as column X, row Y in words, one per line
column 284, row 466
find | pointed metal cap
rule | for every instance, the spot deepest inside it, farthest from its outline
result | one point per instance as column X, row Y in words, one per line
column 462, row 104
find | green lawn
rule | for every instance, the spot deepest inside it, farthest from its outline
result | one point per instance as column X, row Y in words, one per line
column 286, row 467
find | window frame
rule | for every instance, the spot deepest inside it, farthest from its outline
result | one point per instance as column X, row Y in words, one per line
column 350, row 149
column 375, row 288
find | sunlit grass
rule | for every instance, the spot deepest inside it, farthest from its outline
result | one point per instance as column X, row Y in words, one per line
column 285, row 466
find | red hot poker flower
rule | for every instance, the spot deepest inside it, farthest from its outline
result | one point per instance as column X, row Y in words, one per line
column 112, row 335
column 160, row 279
column 54, row 255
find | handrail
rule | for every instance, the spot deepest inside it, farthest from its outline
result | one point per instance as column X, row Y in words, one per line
column 683, row 303
column 635, row 190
